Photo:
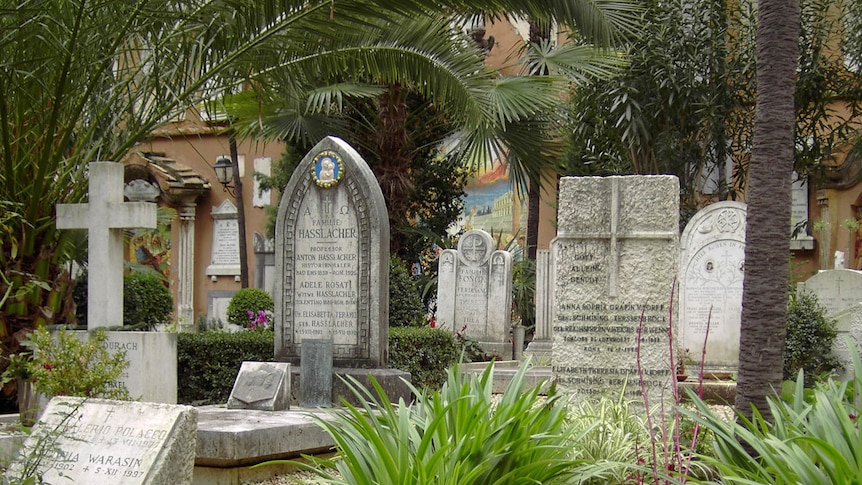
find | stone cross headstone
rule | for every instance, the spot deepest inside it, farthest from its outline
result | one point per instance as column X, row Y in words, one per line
column 712, row 264
column 105, row 216
column 118, row 442
column 615, row 258
column 474, row 291
column 840, row 293
column 263, row 386
column 332, row 259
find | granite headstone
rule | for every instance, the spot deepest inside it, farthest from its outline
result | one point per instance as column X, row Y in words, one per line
column 332, row 259
column 615, row 258
column 474, row 291
column 712, row 264
column 103, row 441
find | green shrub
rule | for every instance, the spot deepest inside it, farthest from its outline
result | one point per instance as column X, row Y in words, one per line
column 462, row 435
column 405, row 305
column 208, row 362
column 248, row 300
column 61, row 364
column 154, row 302
column 810, row 337
column 814, row 437
column 424, row 352
column 146, row 300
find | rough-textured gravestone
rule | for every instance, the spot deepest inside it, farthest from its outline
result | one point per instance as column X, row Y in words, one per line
column 104, row 216
column 264, row 386
column 615, row 258
column 332, row 259
column 474, row 291
column 712, row 264
column 118, row 442
column 840, row 293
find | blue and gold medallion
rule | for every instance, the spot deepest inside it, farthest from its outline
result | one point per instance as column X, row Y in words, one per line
column 327, row 169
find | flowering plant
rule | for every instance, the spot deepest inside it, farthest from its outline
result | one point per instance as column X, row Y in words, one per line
column 60, row 364
column 259, row 321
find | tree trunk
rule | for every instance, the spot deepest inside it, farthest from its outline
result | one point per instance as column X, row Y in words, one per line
column 764, row 298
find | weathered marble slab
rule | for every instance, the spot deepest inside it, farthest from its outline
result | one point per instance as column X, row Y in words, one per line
column 116, row 442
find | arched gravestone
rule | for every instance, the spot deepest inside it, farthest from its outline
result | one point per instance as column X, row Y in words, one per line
column 332, row 259
column 474, row 291
column 712, row 263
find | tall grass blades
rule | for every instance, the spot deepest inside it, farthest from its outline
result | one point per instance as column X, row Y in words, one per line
column 814, row 437
column 460, row 436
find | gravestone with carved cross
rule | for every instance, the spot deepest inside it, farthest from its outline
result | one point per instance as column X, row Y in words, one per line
column 105, row 217
column 615, row 258
column 474, row 292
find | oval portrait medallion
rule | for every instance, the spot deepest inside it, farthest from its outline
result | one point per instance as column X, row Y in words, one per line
column 327, row 169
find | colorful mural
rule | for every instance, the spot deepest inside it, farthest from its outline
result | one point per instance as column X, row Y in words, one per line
column 491, row 204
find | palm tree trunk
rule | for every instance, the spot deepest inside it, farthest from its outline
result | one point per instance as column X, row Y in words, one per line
column 764, row 298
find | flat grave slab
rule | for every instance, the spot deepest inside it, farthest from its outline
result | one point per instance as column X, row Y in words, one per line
column 106, row 441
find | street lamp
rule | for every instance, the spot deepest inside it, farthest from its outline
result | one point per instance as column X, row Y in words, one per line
column 224, row 173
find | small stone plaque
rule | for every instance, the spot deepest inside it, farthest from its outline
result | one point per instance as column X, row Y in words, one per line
column 117, row 442
column 264, row 386
column 315, row 383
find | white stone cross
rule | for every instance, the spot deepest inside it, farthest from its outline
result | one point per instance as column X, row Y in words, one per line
column 105, row 217
column 613, row 234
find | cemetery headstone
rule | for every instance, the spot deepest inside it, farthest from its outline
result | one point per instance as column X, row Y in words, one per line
column 263, row 386
column 540, row 346
column 105, row 216
column 712, row 264
column 316, row 373
column 474, row 291
column 615, row 258
column 332, row 259
column 224, row 258
column 82, row 440
column 840, row 293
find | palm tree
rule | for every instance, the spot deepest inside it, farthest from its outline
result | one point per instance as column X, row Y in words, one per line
column 764, row 297
column 85, row 80
column 433, row 58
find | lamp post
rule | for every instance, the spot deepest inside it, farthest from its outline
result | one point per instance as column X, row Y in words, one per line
column 227, row 173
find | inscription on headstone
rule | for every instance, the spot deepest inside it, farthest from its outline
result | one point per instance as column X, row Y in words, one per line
column 840, row 293
column 332, row 259
column 712, row 265
column 117, row 442
column 615, row 258
column 225, row 242
column 474, row 289
column 263, row 386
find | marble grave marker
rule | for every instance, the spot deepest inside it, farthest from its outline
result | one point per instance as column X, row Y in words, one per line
column 474, row 291
column 116, row 442
column 712, row 264
column 332, row 259
column 105, row 216
column 840, row 293
column 615, row 257
column 264, row 386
